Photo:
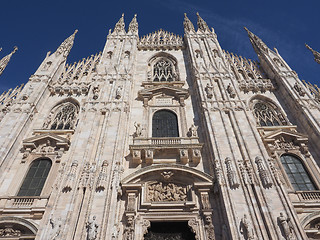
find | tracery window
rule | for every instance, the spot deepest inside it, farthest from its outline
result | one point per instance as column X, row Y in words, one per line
column 268, row 114
column 163, row 71
column 65, row 117
column 297, row 173
column 165, row 124
column 35, row 178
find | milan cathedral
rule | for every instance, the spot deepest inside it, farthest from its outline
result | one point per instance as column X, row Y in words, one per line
column 161, row 137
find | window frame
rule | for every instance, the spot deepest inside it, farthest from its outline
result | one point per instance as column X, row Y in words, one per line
column 177, row 122
column 26, row 174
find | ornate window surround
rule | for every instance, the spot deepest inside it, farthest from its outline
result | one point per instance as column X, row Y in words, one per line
column 162, row 56
column 281, row 140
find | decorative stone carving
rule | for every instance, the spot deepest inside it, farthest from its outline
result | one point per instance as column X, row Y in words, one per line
column 9, row 232
column 92, row 229
column 314, row 89
column 160, row 40
column 299, row 89
column 145, row 225
column 231, row 173
column 245, row 228
column 202, row 25
column 193, row 131
column 167, row 175
column 196, row 156
column 128, row 232
column 209, row 91
column 286, row 227
column 209, row 228
column 46, row 148
column 102, row 178
column 95, row 91
column 231, row 91
column 133, row 26
column 86, row 177
column 275, row 171
column 118, row 92
column 138, row 131
column 183, row 156
column 166, row 192
column 136, row 156
column 315, row 54
column 206, row 205
column 48, row 120
column 187, row 24
column 131, row 202
column 119, row 27
column 245, row 172
column 66, row 46
column 5, row 60
column 71, row 177
column 56, row 226
column 263, row 173
column 192, row 223
column 149, row 155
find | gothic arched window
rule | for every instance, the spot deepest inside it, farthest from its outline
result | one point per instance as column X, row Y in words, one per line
column 297, row 173
column 64, row 117
column 268, row 114
column 36, row 177
column 163, row 71
column 165, row 124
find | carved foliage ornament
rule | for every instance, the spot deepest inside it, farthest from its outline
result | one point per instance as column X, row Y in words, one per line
column 166, row 192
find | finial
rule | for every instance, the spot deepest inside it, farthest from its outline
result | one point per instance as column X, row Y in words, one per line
column 315, row 53
column 4, row 61
column 66, row 46
column 187, row 24
column 0, row 49
column 119, row 27
column 133, row 26
column 256, row 42
column 202, row 25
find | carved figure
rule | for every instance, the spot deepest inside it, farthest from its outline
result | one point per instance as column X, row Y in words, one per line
column 246, row 229
column 193, row 131
column 231, row 173
column 209, row 228
column 128, row 233
column 209, row 91
column 56, row 228
column 47, row 148
column 118, row 92
column 231, row 91
column 167, row 175
column 286, row 226
column 163, row 192
column 92, row 229
column 138, row 131
column 95, row 91
column 9, row 232
column 264, row 175
column 48, row 120
column 299, row 89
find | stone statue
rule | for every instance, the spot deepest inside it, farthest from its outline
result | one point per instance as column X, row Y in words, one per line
column 193, row 131
column 47, row 148
column 48, row 120
column 209, row 91
column 128, row 233
column 246, row 229
column 92, row 229
column 231, row 91
column 286, row 226
column 209, row 228
column 118, row 92
column 138, row 131
column 56, row 228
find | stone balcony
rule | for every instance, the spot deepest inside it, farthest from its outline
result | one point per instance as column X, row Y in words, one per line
column 33, row 206
column 182, row 149
column 305, row 198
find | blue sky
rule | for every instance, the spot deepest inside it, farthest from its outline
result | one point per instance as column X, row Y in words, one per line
column 37, row 27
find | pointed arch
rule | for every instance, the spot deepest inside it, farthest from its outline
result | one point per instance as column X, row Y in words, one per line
column 267, row 113
column 63, row 115
column 163, row 68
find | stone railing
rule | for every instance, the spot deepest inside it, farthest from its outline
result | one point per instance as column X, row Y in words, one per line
column 309, row 196
column 15, row 202
column 186, row 149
